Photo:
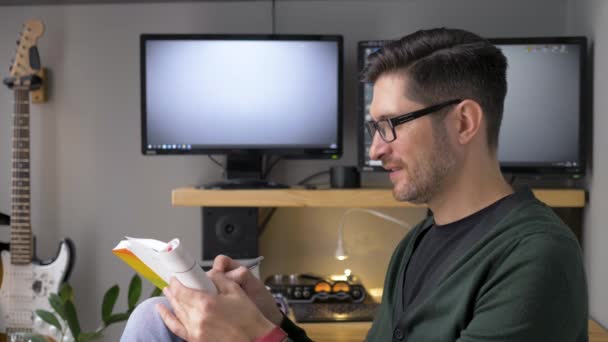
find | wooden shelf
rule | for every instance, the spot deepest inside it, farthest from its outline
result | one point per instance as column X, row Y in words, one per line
column 347, row 198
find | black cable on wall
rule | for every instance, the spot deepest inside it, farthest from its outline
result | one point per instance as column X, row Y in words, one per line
column 274, row 9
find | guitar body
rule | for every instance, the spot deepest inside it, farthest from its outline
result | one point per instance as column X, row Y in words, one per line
column 26, row 288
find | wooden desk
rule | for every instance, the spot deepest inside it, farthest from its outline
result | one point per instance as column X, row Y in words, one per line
column 356, row 331
column 346, row 198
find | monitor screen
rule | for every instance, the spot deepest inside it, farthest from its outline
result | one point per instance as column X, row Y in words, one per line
column 543, row 120
column 269, row 94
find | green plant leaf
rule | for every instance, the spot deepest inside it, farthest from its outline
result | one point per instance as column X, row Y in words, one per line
column 156, row 292
column 57, row 303
column 35, row 338
column 134, row 291
column 66, row 292
column 72, row 318
column 109, row 299
column 88, row 336
column 117, row 318
column 49, row 318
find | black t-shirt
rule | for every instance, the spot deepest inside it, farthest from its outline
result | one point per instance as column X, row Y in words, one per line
column 435, row 250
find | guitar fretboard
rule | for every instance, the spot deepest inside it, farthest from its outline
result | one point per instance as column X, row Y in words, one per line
column 21, row 228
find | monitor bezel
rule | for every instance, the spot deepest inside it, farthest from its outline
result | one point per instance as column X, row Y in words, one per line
column 511, row 168
column 361, row 46
column 283, row 152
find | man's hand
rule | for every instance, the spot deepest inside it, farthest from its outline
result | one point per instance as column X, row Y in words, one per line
column 252, row 286
column 200, row 316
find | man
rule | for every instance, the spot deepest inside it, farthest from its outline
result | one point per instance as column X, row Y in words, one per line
column 488, row 265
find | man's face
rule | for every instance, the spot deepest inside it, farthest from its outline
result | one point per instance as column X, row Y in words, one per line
column 421, row 157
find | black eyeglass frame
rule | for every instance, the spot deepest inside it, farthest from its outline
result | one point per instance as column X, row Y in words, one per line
column 372, row 126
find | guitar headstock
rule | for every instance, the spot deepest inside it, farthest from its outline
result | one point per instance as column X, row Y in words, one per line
column 26, row 63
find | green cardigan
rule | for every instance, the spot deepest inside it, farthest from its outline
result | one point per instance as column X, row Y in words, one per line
column 523, row 281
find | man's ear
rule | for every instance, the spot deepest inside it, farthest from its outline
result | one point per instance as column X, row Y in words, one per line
column 469, row 120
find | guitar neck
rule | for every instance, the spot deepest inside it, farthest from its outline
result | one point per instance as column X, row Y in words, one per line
column 21, row 247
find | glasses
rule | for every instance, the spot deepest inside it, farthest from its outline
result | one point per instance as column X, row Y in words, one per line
column 386, row 127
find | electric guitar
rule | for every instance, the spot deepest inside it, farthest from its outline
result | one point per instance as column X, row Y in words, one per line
column 25, row 282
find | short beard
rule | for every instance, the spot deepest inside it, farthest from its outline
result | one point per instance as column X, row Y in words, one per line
column 428, row 176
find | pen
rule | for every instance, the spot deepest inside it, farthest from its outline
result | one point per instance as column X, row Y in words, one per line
column 251, row 264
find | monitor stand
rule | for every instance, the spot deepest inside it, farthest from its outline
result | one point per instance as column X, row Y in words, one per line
column 243, row 171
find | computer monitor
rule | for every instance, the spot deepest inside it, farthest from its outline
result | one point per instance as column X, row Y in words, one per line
column 246, row 96
column 543, row 125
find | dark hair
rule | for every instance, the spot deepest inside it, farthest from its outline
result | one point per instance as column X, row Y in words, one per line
column 443, row 64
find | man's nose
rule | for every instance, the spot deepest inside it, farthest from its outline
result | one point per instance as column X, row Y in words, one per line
column 378, row 148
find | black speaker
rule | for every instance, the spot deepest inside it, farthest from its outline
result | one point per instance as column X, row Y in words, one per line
column 230, row 231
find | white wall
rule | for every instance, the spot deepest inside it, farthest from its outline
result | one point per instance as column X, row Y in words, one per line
column 590, row 18
column 89, row 179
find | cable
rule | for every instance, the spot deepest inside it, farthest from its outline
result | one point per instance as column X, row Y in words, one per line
column 269, row 168
column 314, row 175
column 264, row 223
column 262, row 226
column 341, row 253
column 216, row 162
column 274, row 30
column 269, row 216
